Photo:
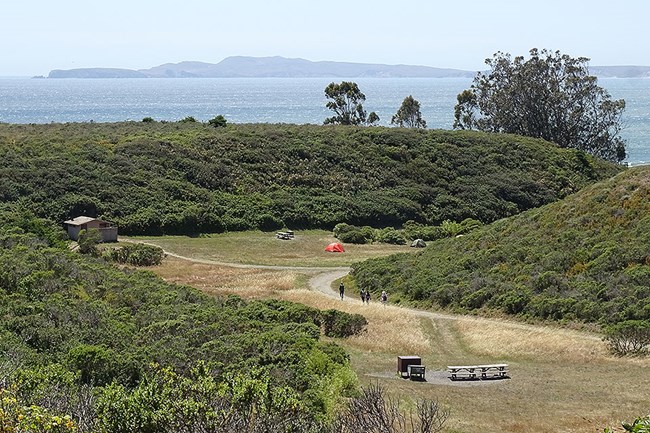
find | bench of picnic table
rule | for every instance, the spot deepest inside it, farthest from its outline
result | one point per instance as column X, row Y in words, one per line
column 477, row 371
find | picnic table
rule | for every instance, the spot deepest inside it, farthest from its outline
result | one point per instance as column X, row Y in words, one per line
column 285, row 235
column 486, row 371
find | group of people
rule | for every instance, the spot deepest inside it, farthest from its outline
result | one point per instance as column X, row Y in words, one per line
column 365, row 294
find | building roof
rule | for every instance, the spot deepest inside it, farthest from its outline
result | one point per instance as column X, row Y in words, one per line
column 80, row 220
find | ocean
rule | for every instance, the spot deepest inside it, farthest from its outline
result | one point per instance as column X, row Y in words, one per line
column 268, row 100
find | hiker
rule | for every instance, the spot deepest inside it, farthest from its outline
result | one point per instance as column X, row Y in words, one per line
column 367, row 296
column 384, row 297
column 341, row 289
column 363, row 295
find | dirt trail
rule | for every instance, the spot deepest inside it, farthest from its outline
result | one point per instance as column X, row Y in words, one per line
column 322, row 278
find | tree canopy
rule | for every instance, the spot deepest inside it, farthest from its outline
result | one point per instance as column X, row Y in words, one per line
column 549, row 96
column 409, row 114
column 347, row 103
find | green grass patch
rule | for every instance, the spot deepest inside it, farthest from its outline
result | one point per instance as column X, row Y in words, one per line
column 263, row 248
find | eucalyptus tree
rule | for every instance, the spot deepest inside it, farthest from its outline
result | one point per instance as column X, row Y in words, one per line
column 409, row 114
column 550, row 96
column 347, row 103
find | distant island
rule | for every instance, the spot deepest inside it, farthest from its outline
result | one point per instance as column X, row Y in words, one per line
column 261, row 67
column 282, row 67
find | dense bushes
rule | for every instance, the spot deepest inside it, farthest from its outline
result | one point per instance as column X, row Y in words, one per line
column 340, row 324
column 79, row 337
column 411, row 230
column 188, row 177
column 584, row 259
column 631, row 337
column 136, row 254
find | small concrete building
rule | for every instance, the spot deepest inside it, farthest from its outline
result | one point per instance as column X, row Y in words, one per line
column 107, row 229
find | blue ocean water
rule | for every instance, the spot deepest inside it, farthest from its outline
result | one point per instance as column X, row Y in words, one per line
column 267, row 100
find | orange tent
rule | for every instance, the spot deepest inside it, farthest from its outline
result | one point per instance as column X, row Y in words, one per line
column 335, row 247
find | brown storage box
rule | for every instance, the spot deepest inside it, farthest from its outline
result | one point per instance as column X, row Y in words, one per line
column 403, row 363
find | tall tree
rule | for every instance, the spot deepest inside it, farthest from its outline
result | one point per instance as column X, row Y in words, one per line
column 347, row 104
column 549, row 96
column 409, row 114
column 372, row 118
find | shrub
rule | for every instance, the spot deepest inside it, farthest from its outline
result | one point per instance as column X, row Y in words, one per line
column 341, row 228
column 476, row 299
column 354, row 237
column 631, row 337
column 391, row 236
column 96, row 364
column 340, row 324
column 335, row 353
column 136, row 254
column 218, row 121
column 16, row 416
column 469, row 224
column 352, row 234
column 88, row 240
column 640, row 425
column 514, row 302
column 267, row 222
column 413, row 230
column 451, row 228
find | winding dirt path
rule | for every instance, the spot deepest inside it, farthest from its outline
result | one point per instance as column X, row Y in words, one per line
column 322, row 278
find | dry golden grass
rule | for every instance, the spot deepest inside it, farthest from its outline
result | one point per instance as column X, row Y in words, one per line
column 499, row 339
column 224, row 280
column 561, row 380
column 386, row 324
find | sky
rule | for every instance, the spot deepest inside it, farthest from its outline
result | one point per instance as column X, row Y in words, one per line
column 37, row 36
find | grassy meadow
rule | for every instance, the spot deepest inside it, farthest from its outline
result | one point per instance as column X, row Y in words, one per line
column 562, row 380
column 263, row 248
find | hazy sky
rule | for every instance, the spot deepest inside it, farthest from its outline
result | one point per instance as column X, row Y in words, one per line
column 39, row 35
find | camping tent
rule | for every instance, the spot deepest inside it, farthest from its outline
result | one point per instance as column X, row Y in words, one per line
column 335, row 247
column 418, row 243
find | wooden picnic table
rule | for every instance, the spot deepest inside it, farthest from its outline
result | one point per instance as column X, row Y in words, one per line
column 285, row 235
column 478, row 371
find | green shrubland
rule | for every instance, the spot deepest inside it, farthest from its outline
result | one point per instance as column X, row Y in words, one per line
column 188, row 177
column 585, row 258
column 87, row 346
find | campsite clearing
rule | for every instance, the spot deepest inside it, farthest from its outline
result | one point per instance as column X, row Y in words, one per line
column 560, row 379
column 307, row 248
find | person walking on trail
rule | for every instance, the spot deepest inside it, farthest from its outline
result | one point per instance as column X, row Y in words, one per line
column 363, row 295
column 384, row 297
column 367, row 296
column 341, row 289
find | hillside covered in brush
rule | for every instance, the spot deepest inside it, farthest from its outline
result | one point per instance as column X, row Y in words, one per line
column 585, row 258
column 188, row 177
column 119, row 350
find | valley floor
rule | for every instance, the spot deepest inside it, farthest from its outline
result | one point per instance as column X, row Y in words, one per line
column 561, row 380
